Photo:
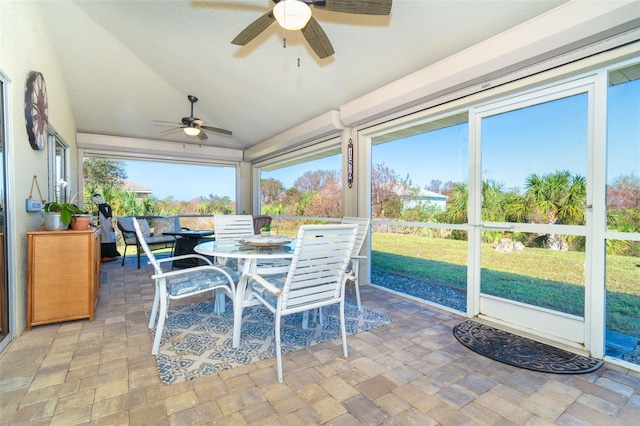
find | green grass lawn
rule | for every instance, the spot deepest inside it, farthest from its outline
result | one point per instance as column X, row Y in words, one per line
column 541, row 277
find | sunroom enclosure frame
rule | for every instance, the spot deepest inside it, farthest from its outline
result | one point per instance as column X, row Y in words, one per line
column 326, row 132
column 571, row 40
column 594, row 70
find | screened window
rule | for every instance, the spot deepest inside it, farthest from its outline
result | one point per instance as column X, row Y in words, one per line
column 59, row 168
column 310, row 186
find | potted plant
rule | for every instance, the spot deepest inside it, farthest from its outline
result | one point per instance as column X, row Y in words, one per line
column 68, row 212
column 266, row 231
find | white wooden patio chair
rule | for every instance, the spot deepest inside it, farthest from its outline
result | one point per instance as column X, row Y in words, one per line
column 316, row 278
column 233, row 227
column 181, row 283
column 229, row 227
column 363, row 230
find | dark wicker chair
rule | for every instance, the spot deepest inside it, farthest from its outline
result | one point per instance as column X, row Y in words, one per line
column 260, row 222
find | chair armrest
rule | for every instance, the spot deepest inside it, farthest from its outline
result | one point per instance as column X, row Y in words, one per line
column 126, row 232
column 266, row 284
column 185, row 256
column 196, row 269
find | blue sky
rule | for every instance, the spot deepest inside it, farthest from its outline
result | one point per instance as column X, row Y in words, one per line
column 182, row 181
column 539, row 139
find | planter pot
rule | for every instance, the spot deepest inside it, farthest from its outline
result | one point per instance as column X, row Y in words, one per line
column 80, row 222
column 265, row 233
column 53, row 221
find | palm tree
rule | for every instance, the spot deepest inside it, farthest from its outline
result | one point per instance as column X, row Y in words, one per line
column 456, row 210
column 557, row 198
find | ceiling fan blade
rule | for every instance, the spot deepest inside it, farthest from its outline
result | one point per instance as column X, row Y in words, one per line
column 254, row 29
column 217, row 130
column 170, row 122
column 231, row 5
column 361, row 7
column 202, row 136
column 169, row 131
column 317, row 39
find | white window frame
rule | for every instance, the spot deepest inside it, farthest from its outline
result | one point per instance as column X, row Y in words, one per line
column 58, row 157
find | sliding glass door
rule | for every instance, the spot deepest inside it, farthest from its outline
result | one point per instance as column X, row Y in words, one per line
column 532, row 211
column 4, row 288
column 623, row 214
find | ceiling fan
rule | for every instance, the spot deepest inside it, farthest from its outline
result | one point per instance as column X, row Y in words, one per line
column 296, row 15
column 192, row 126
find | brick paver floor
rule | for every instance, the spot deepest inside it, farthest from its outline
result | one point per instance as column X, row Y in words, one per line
column 411, row 372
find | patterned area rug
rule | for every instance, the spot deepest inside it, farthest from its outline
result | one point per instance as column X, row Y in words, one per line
column 521, row 352
column 196, row 342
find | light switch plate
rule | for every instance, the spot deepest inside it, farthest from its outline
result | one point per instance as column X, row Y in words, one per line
column 34, row 205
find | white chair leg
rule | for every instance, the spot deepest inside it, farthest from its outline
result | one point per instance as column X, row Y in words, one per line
column 278, row 349
column 218, row 307
column 161, row 320
column 237, row 323
column 356, row 282
column 317, row 318
column 154, row 310
column 343, row 330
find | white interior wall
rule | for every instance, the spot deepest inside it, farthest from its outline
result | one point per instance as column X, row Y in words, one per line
column 28, row 49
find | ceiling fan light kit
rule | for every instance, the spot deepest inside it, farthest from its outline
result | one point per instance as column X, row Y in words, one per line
column 292, row 14
column 191, row 131
column 296, row 15
column 193, row 126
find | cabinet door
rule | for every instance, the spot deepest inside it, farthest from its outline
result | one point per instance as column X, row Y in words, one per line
column 61, row 275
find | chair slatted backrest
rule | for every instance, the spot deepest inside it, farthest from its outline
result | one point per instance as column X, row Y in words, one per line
column 363, row 230
column 317, row 269
column 145, row 247
column 232, row 226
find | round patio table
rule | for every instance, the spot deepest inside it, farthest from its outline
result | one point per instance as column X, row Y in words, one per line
column 250, row 255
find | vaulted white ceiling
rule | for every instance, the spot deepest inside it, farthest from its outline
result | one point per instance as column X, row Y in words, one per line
column 127, row 63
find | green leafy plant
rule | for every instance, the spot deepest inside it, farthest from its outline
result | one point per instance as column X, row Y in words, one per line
column 67, row 210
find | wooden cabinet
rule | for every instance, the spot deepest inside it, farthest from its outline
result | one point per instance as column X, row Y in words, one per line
column 63, row 276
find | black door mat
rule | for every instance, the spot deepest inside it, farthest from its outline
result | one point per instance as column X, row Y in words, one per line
column 521, row 352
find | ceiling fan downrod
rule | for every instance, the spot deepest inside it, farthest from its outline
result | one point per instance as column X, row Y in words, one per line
column 193, row 100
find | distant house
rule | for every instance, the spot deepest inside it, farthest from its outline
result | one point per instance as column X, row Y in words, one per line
column 424, row 198
column 139, row 190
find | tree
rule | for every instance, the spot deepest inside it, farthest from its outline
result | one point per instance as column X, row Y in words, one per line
column 437, row 186
column 457, row 205
column 556, row 197
column 386, row 190
column 624, row 192
column 100, row 172
column 214, row 204
column 623, row 212
column 271, row 190
column 295, row 201
column 327, row 201
column 314, row 180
